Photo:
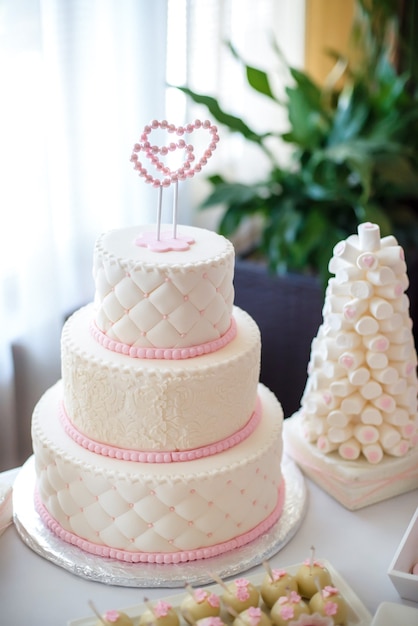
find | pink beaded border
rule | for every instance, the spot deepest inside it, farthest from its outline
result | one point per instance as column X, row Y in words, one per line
column 167, row 558
column 139, row 456
column 174, row 354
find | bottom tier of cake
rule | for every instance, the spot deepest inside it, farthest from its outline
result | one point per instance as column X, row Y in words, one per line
column 158, row 512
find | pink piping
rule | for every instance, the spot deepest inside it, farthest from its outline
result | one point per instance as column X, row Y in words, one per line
column 164, row 456
column 164, row 353
column 160, row 557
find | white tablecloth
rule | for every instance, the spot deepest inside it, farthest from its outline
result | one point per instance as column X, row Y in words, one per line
column 360, row 545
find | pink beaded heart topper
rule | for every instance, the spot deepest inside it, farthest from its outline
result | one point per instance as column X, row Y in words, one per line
column 156, row 156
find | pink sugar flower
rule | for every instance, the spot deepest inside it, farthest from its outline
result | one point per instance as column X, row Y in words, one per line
column 330, row 608
column 213, row 600
column 242, row 589
column 278, row 573
column 254, row 615
column 162, row 608
column 328, row 590
column 200, row 595
column 287, row 612
column 112, row 616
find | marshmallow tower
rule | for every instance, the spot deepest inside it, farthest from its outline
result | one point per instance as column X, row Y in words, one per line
column 360, row 399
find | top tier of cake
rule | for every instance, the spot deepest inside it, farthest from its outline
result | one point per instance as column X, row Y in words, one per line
column 175, row 299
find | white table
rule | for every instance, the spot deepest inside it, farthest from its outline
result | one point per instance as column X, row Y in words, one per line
column 360, row 545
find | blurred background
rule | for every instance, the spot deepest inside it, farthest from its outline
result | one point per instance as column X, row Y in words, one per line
column 79, row 81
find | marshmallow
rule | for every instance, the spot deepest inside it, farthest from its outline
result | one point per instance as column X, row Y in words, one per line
column 394, row 322
column 404, row 280
column 399, row 268
column 367, row 325
column 350, row 449
column 359, row 376
column 337, row 289
column 397, row 388
column 376, row 360
column 369, row 236
column 338, row 435
column 345, row 274
column 406, row 368
column 376, row 343
column 353, row 405
column 385, row 403
column 389, row 436
column 371, row 390
column 387, row 375
column 325, row 445
column 371, row 415
column 319, row 403
column 373, row 453
column 390, row 255
column 333, row 370
column 399, row 417
column 329, row 350
column 341, row 388
column 381, row 276
column 380, row 309
column 353, row 309
column 402, row 335
column 361, row 289
column 337, row 418
column 409, row 399
column 367, row 261
column 345, row 250
column 389, row 240
column 365, row 433
column 351, row 360
column 401, row 305
column 347, row 340
column 335, row 321
column 408, row 430
column 399, row 449
column 392, row 291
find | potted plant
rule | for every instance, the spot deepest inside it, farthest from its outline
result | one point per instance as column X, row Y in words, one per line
column 354, row 158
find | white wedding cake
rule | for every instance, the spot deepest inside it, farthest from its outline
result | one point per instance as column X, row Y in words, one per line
column 159, row 445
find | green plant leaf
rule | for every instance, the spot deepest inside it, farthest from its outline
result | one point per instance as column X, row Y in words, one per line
column 231, row 121
column 259, row 81
column 233, row 193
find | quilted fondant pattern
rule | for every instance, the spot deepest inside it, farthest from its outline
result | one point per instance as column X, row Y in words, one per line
column 163, row 509
column 164, row 306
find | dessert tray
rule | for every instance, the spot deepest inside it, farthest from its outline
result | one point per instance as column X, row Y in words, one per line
column 390, row 613
column 42, row 541
column 358, row 615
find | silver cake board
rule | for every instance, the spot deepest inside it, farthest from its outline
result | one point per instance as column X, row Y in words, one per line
column 44, row 542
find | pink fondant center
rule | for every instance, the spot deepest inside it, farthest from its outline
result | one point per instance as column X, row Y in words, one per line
column 165, row 243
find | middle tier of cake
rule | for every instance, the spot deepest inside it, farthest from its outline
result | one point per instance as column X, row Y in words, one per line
column 159, row 405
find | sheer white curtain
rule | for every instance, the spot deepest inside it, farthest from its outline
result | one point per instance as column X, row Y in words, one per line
column 80, row 79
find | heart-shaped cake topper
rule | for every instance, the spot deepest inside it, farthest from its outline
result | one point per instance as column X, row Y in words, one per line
column 154, row 154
